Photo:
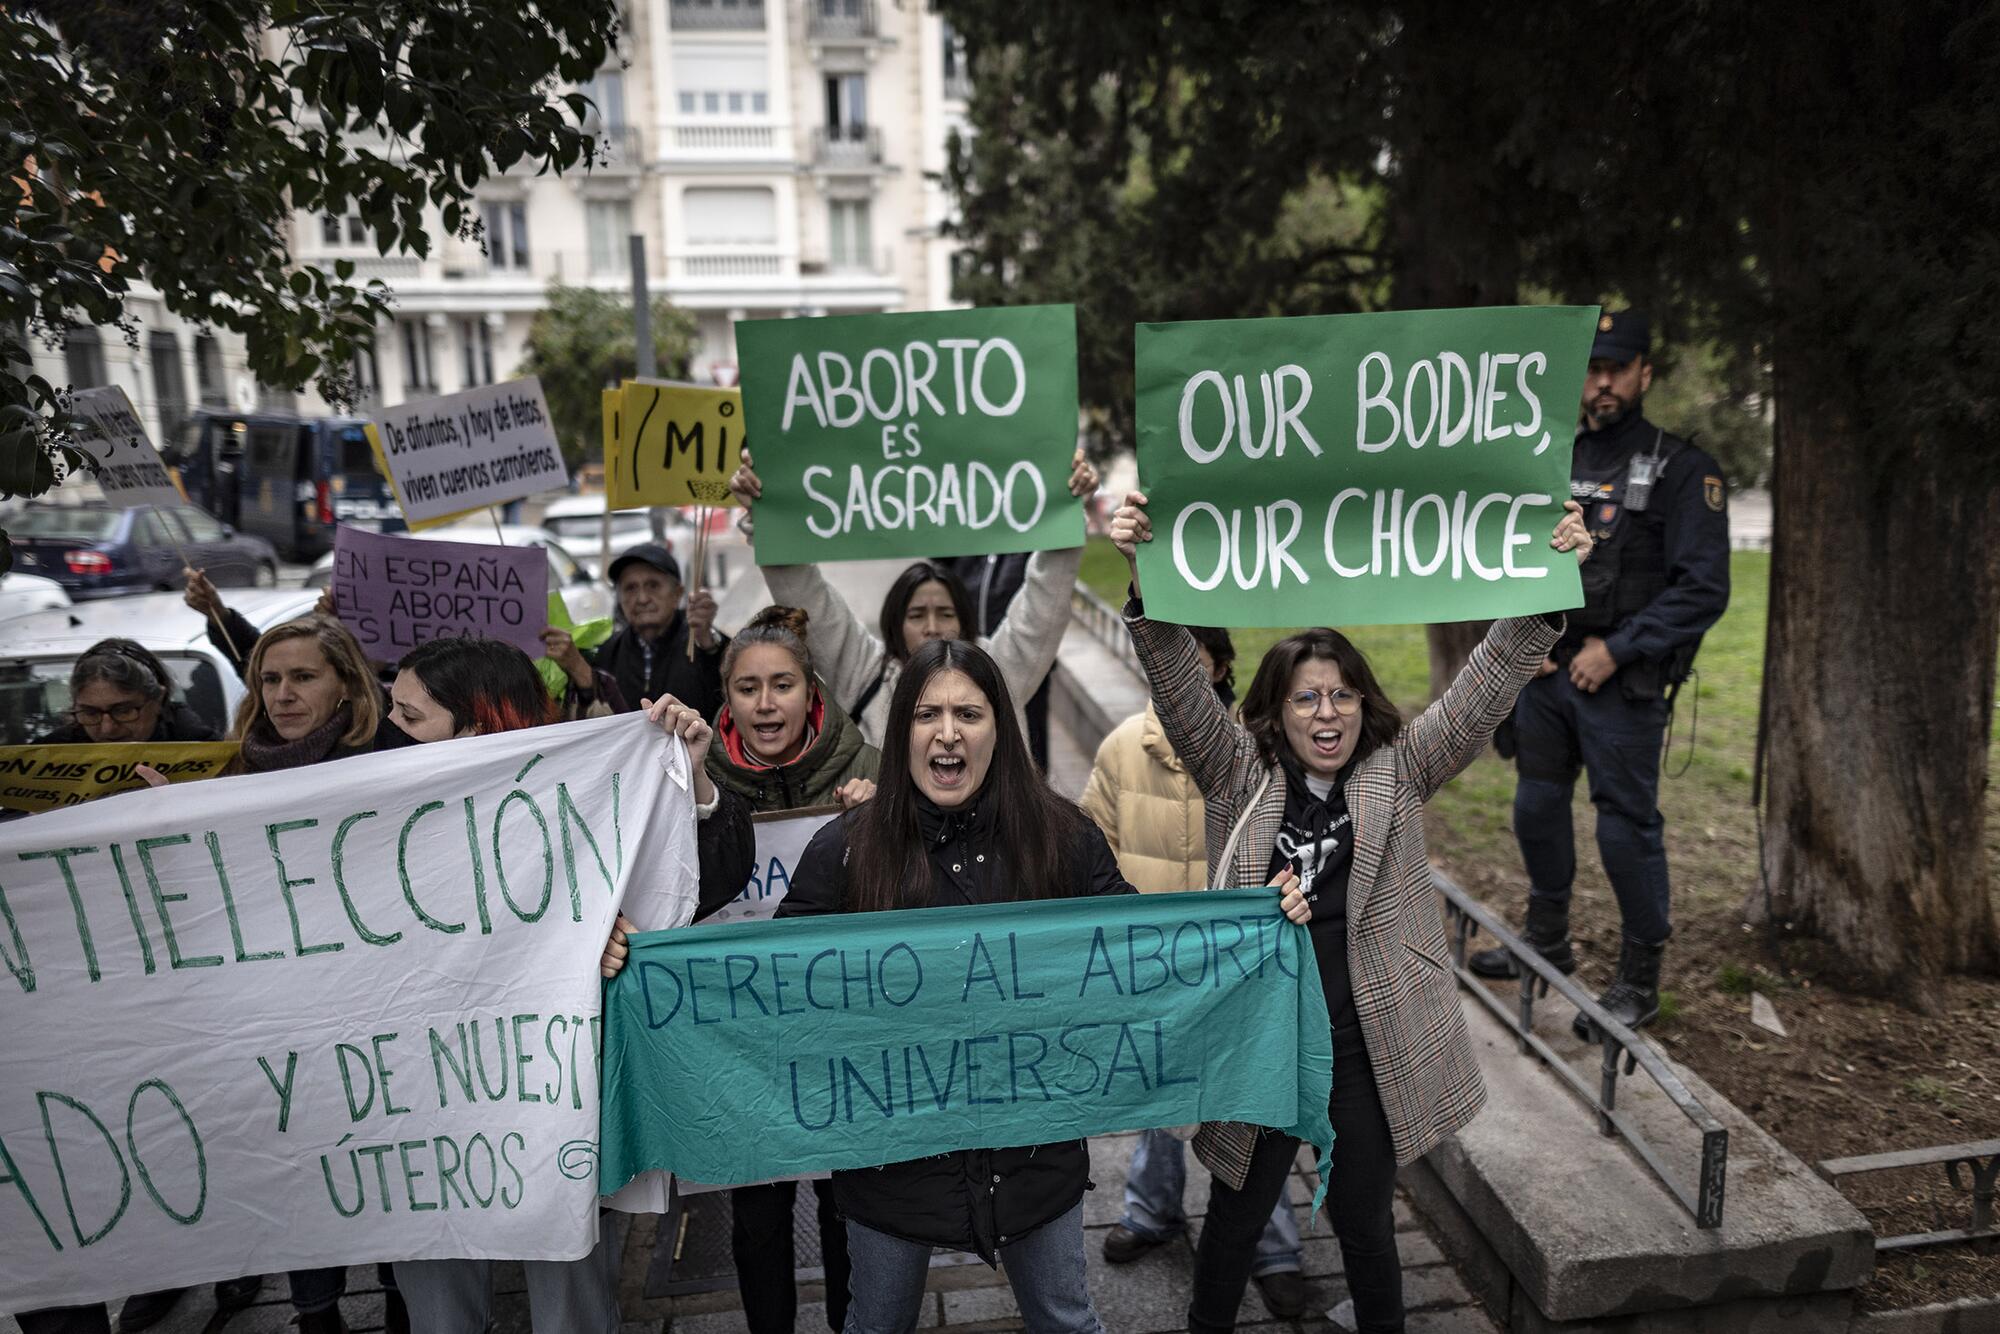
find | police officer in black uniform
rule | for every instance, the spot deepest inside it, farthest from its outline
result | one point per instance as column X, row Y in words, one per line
column 1657, row 580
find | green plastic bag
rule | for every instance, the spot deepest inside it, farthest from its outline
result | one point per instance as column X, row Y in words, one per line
column 586, row 636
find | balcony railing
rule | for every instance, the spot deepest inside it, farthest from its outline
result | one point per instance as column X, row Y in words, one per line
column 848, row 147
column 843, row 264
column 716, row 15
column 724, row 138
column 842, row 20
column 728, row 264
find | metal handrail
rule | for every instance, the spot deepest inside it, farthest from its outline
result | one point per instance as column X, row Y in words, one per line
column 1621, row 1048
column 1979, row 1158
column 1106, row 625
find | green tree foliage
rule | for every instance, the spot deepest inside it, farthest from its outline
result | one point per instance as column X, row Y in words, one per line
column 1802, row 187
column 168, row 142
column 1197, row 160
column 582, row 343
column 1114, row 165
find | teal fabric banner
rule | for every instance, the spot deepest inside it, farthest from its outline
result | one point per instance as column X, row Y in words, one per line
column 751, row 1050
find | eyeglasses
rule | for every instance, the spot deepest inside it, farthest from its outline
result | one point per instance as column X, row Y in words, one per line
column 85, row 716
column 1305, row 703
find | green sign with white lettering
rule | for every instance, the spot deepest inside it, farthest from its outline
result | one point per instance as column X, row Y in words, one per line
column 1359, row 469
column 944, row 433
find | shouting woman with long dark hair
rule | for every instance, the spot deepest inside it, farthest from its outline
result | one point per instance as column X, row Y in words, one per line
column 961, row 816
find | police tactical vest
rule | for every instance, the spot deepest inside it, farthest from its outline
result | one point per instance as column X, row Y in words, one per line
column 1627, row 568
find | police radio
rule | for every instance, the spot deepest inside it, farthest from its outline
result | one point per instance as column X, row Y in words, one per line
column 1644, row 471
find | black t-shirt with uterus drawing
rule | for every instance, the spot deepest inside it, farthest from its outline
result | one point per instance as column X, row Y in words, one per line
column 1316, row 839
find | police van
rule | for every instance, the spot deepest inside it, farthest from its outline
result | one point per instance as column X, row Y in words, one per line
column 286, row 478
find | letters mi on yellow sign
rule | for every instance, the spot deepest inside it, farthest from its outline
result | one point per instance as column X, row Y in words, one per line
column 43, row 778
column 673, row 445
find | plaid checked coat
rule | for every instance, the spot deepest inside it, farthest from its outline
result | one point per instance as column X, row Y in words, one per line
column 1404, row 991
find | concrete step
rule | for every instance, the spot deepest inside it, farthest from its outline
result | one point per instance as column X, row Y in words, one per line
column 1565, row 1229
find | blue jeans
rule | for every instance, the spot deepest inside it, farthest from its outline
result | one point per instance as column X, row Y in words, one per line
column 1045, row 1269
column 1154, row 1185
column 1562, row 731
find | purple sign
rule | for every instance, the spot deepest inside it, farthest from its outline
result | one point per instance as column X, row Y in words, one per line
column 395, row 593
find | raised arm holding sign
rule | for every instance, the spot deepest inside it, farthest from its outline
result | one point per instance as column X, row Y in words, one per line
column 1398, row 466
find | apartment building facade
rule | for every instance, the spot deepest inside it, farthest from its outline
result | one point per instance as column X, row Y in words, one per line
column 778, row 156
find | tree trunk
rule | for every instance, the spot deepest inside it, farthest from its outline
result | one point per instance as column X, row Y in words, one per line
column 1451, row 643
column 1879, row 678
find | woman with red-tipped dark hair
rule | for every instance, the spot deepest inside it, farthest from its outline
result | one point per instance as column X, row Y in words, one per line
column 452, row 688
column 467, row 687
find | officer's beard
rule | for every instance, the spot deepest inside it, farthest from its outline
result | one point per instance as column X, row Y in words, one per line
column 1592, row 421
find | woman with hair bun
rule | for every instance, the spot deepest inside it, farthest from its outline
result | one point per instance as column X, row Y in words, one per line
column 784, row 744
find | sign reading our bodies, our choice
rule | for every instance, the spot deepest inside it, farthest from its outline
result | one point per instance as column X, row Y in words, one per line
column 123, row 461
column 42, row 778
column 865, row 1038
column 397, row 592
column 939, row 433
column 670, row 444
column 464, row 451
column 324, row 1015
column 1370, row 469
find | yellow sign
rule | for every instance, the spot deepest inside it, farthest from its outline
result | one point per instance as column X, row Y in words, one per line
column 671, row 444
column 43, row 778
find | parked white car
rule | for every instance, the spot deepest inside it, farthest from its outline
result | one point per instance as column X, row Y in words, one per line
column 587, row 598
column 42, row 647
column 579, row 522
column 23, row 593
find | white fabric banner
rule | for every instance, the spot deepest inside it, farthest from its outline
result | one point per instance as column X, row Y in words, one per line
column 781, row 840
column 324, row 1016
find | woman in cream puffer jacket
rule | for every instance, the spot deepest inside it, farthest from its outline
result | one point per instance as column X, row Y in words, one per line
column 1140, row 794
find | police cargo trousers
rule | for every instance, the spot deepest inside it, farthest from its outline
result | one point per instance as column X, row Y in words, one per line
column 1616, row 741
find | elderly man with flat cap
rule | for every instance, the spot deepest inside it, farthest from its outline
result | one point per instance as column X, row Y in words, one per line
column 648, row 657
column 1656, row 581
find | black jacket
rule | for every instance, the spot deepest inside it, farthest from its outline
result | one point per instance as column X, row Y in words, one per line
column 696, row 683
column 726, row 845
column 973, row 1199
column 1685, row 528
column 177, row 723
column 992, row 582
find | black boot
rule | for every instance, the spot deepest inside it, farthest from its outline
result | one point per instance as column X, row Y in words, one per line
column 1547, row 933
column 1634, row 999
column 322, row 1322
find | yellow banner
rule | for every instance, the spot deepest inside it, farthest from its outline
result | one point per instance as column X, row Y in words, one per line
column 672, row 444
column 42, row 778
